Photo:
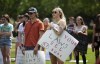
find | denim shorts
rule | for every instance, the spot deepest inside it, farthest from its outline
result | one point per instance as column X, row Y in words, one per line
column 5, row 42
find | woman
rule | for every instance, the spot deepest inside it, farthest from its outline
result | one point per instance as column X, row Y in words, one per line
column 58, row 25
column 70, row 28
column 21, row 29
column 15, row 32
column 96, row 36
column 46, row 22
column 81, row 36
column 5, row 38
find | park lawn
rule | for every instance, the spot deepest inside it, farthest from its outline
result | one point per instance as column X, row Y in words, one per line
column 90, row 57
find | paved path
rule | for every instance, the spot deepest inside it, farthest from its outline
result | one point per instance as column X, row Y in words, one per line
column 89, row 45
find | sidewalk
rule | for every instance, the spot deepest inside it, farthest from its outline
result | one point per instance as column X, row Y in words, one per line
column 89, row 45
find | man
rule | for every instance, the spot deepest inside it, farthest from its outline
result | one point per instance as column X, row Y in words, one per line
column 34, row 29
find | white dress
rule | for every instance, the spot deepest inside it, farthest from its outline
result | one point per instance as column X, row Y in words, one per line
column 21, row 31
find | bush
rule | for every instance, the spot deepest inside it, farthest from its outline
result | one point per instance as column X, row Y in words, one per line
column 90, row 33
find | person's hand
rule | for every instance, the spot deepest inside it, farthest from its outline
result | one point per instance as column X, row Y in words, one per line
column 42, row 49
column 3, row 33
column 22, row 48
column 80, row 32
column 35, row 50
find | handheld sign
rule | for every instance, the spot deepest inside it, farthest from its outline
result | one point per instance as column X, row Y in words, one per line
column 30, row 58
column 19, row 56
column 60, row 46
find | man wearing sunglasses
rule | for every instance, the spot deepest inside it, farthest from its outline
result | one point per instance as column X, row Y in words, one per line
column 33, row 30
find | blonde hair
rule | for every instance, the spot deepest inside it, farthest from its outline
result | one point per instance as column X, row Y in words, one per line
column 62, row 16
column 46, row 19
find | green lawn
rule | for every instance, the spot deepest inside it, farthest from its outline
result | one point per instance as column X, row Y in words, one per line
column 90, row 57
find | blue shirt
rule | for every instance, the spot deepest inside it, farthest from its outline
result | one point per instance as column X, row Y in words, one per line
column 6, row 28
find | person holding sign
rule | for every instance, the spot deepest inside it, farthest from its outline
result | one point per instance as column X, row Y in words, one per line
column 34, row 29
column 81, row 36
column 46, row 22
column 58, row 25
column 15, row 32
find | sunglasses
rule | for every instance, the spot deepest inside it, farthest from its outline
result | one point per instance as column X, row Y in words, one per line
column 30, row 13
column 54, row 12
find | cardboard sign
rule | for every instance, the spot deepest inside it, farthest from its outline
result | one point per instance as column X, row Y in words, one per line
column 1, row 58
column 30, row 58
column 60, row 46
column 19, row 56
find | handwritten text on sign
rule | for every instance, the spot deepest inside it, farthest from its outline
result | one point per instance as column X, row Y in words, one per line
column 30, row 58
column 61, row 46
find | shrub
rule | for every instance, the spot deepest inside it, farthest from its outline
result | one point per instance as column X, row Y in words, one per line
column 90, row 33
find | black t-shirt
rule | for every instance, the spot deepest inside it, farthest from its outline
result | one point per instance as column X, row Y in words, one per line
column 15, row 33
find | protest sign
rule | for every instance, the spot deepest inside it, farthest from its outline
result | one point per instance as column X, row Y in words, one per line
column 60, row 46
column 19, row 56
column 31, row 58
column 1, row 58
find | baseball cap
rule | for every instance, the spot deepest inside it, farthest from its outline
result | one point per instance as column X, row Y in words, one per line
column 32, row 9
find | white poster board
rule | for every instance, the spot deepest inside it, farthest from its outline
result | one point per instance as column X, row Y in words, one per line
column 1, row 58
column 61, row 46
column 19, row 56
column 30, row 58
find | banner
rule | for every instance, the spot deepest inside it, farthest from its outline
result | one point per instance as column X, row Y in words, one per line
column 1, row 58
column 19, row 56
column 60, row 46
column 30, row 58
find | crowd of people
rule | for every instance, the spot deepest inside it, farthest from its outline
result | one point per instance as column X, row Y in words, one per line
column 28, row 29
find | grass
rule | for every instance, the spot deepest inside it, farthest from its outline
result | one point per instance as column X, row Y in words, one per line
column 90, row 57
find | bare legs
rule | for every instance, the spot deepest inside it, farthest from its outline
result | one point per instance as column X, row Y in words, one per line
column 6, row 54
column 55, row 60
